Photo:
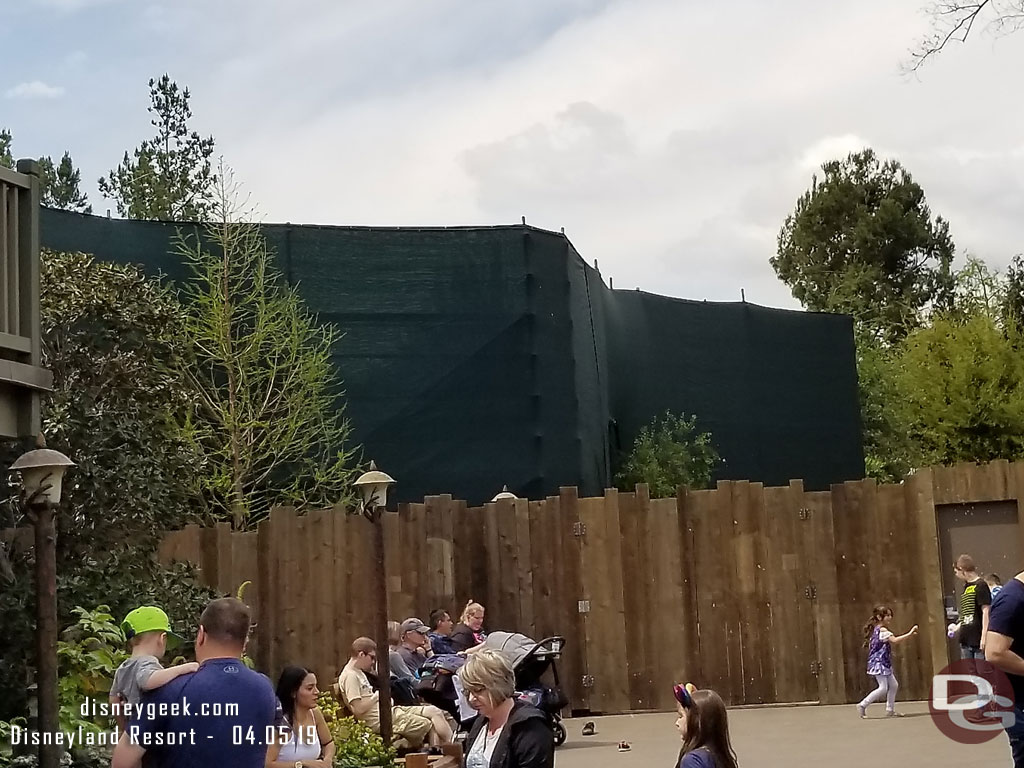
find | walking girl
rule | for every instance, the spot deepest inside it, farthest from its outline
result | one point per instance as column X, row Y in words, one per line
column 879, row 640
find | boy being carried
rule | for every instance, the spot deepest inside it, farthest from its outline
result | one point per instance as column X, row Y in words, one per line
column 149, row 632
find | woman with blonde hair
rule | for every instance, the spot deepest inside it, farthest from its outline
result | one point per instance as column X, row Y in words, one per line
column 469, row 632
column 507, row 733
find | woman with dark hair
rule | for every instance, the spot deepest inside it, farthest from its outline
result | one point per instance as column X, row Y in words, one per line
column 703, row 727
column 309, row 743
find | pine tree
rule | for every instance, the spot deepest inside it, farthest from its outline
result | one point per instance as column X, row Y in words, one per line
column 168, row 177
column 60, row 185
column 6, row 159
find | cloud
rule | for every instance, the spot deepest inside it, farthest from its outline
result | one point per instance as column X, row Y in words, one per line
column 34, row 89
column 73, row 5
column 669, row 139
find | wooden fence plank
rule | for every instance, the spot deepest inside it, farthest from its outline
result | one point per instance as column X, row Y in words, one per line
column 340, row 624
column 711, row 594
column 668, row 659
column 605, row 624
column 725, row 531
column 524, row 570
column 637, row 611
column 508, row 566
column 496, row 614
column 267, row 632
column 785, row 593
column 690, row 585
column 933, row 627
column 568, row 562
column 755, row 627
column 819, row 548
column 320, row 649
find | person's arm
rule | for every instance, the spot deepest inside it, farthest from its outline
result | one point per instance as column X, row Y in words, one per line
column 998, row 653
column 273, row 750
column 164, row 676
column 327, row 745
column 362, row 706
column 126, row 754
column 122, row 721
column 533, row 745
column 897, row 639
column 984, row 602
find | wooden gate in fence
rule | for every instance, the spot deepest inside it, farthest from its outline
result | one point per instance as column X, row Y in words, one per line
column 759, row 593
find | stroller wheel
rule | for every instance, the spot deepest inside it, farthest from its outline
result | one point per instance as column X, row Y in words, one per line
column 559, row 734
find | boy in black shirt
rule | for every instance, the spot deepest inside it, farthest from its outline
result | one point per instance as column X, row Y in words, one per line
column 974, row 609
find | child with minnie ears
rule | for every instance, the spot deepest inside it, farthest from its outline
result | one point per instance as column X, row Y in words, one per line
column 704, row 729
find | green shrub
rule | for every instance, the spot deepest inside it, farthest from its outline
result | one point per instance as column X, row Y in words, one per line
column 357, row 746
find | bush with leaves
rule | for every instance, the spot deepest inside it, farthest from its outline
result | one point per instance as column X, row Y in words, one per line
column 114, row 340
column 88, row 654
column 357, row 746
column 669, row 453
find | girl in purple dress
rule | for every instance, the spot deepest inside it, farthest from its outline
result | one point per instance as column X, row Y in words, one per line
column 879, row 640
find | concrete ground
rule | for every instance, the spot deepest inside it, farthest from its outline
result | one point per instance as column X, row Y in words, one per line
column 787, row 737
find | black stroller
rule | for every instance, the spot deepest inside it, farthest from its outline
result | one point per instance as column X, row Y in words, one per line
column 530, row 661
column 530, row 685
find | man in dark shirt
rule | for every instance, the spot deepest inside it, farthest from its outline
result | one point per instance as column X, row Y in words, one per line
column 975, row 602
column 218, row 717
column 440, row 633
column 1004, row 647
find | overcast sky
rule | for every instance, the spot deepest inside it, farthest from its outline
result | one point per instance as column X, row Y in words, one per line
column 669, row 137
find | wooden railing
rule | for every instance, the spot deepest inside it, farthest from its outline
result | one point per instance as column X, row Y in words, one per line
column 22, row 377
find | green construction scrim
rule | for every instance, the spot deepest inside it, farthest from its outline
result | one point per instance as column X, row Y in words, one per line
column 475, row 357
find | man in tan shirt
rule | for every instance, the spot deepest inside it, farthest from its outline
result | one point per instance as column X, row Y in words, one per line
column 414, row 724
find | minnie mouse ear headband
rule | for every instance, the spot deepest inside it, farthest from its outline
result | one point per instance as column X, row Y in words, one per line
column 684, row 694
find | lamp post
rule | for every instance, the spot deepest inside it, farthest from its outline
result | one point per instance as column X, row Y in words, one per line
column 42, row 475
column 373, row 487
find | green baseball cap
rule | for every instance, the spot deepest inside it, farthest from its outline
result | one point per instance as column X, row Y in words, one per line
column 149, row 618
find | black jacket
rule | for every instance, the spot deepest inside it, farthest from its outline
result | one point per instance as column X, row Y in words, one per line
column 462, row 638
column 527, row 740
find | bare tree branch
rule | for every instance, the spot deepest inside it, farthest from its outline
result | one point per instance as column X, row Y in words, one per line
column 953, row 21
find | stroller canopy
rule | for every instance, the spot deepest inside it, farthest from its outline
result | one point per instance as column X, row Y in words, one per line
column 515, row 645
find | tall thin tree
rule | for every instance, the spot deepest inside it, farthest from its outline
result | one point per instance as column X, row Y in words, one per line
column 270, row 421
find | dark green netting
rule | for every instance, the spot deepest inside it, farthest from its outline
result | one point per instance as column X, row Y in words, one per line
column 478, row 357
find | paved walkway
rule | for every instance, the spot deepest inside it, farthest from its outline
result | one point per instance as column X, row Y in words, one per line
column 788, row 737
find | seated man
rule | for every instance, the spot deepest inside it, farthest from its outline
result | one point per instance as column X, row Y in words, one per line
column 414, row 724
column 440, row 635
column 413, row 648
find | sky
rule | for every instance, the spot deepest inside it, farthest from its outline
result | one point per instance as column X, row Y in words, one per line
column 670, row 138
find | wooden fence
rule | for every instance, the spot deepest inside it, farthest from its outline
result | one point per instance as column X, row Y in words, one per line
column 759, row 593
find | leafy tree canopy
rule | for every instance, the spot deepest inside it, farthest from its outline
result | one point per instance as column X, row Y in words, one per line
column 669, row 453
column 862, row 241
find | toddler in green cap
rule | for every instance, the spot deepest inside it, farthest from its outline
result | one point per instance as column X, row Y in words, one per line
column 149, row 632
